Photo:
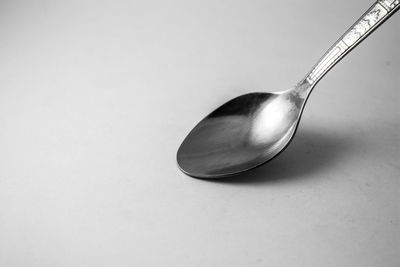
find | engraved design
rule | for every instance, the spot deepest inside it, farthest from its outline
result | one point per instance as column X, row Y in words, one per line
column 389, row 4
column 365, row 24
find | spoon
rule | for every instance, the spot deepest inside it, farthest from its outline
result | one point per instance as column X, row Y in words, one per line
column 252, row 129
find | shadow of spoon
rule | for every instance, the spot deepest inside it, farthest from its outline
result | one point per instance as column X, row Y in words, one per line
column 312, row 152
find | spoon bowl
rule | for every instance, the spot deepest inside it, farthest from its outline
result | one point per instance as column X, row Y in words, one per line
column 242, row 134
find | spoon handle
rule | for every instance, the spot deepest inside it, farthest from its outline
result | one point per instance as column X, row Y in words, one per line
column 375, row 15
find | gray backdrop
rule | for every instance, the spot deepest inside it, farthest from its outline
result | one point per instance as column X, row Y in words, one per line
column 96, row 96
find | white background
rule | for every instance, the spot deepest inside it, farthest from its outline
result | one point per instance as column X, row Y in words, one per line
column 96, row 96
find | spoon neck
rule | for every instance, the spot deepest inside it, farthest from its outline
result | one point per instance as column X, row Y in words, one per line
column 303, row 88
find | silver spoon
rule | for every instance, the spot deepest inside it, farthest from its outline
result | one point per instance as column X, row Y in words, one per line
column 252, row 129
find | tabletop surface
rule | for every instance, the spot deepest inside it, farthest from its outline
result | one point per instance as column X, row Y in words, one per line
column 96, row 97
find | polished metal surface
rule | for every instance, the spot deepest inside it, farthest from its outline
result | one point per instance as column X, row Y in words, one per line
column 252, row 129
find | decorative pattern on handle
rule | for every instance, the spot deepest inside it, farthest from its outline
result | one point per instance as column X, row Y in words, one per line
column 365, row 24
column 353, row 36
column 389, row 4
